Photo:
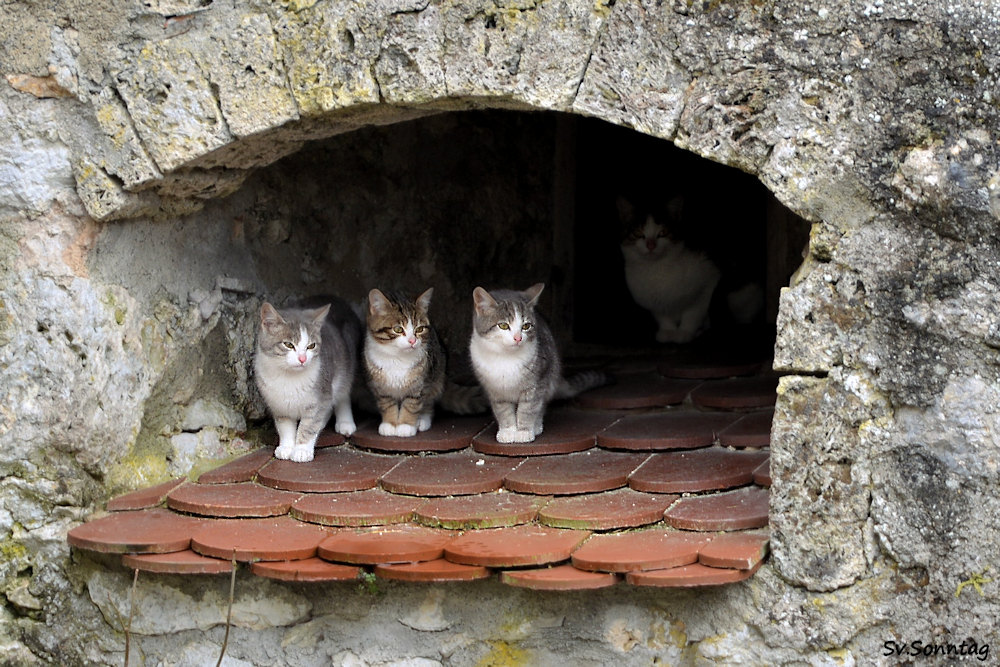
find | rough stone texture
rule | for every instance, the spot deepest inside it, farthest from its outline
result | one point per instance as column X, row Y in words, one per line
column 871, row 119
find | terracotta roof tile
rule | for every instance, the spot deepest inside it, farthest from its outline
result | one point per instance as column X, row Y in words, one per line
column 231, row 500
column 559, row 578
column 458, row 473
column 444, row 435
column 144, row 498
column 529, row 505
column 707, row 369
column 371, row 507
column 514, row 547
column 177, row 562
column 751, row 430
column 621, row 508
column 687, row 576
column 736, row 394
column 155, row 530
column 406, row 544
column 567, row 430
column 242, row 469
column 333, row 469
column 641, row 550
column 762, row 475
column 638, row 391
column 277, row 538
column 307, row 569
column 686, row 429
column 439, row 570
column 732, row 510
column 696, row 470
column 583, row 472
column 485, row 510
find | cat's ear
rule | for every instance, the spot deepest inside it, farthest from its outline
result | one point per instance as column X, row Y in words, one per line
column 377, row 302
column 319, row 314
column 424, row 300
column 533, row 293
column 269, row 317
column 626, row 211
column 483, row 300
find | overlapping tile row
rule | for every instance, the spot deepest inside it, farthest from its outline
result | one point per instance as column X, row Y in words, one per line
column 657, row 480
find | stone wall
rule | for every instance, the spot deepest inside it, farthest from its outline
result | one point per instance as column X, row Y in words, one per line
column 136, row 131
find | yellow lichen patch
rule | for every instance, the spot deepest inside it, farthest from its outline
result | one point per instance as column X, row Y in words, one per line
column 136, row 470
column 503, row 654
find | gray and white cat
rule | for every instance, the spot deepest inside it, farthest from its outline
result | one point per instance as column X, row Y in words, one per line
column 403, row 361
column 515, row 359
column 304, row 368
column 664, row 276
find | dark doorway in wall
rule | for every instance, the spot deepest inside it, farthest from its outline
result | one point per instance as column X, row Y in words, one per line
column 728, row 215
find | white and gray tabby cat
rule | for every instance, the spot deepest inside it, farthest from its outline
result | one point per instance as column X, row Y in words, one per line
column 404, row 362
column 515, row 359
column 663, row 275
column 304, row 368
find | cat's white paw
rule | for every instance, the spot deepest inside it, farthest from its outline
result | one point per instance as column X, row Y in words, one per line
column 385, row 428
column 406, row 430
column 423, row 422
column 514, row 435
column 345, row 427
column 296, row 453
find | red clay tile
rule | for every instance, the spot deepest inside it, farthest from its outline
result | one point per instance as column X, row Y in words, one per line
column 621, row 508
column 737, row 393
column 177, row 562
column 566, row 430
column 308, row 569
column 689, row 576
column 331, row 470
column 144, row 498
column 244, row 499
column 752, row 430
column 643, row 550
column 762, row 475
column 242, row 469
column 646, row 390
column 371, row 507
column 446, row 434
column 484, row 510
column 439, row 570
column 558, row 578
column 708, row 469
column 515, row 547
column 707, row 369
column 155, row 530
column 732, row 510
column 584, row 472
column 741, row 551
column 405, row 544
column 460, row 473
column 686, row 429
column 276, row 538
column 329, row 439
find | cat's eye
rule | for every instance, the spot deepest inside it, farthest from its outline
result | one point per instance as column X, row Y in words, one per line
column 503, row 325
column 290, row 346
column 525, row 326
column 420, row 329
column 311, row 346
column 397, row 330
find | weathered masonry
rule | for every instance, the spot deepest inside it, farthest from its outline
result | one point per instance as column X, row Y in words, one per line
column 168, row 163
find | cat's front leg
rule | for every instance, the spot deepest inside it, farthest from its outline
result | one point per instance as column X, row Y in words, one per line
column 344, row 424
column 286, row 437
column 506, row 416
column 530, row 415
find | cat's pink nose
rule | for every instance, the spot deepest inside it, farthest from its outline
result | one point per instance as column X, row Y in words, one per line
column 518, row 337
column 650, row 244
column 412, row 340
column 302, row 358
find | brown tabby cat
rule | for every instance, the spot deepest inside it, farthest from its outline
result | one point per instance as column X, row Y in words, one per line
column 403, row 361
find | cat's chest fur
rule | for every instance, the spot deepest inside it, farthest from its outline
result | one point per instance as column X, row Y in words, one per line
column 502, row 371
column 668, row 280
column 395, row 367
column 288, row 392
